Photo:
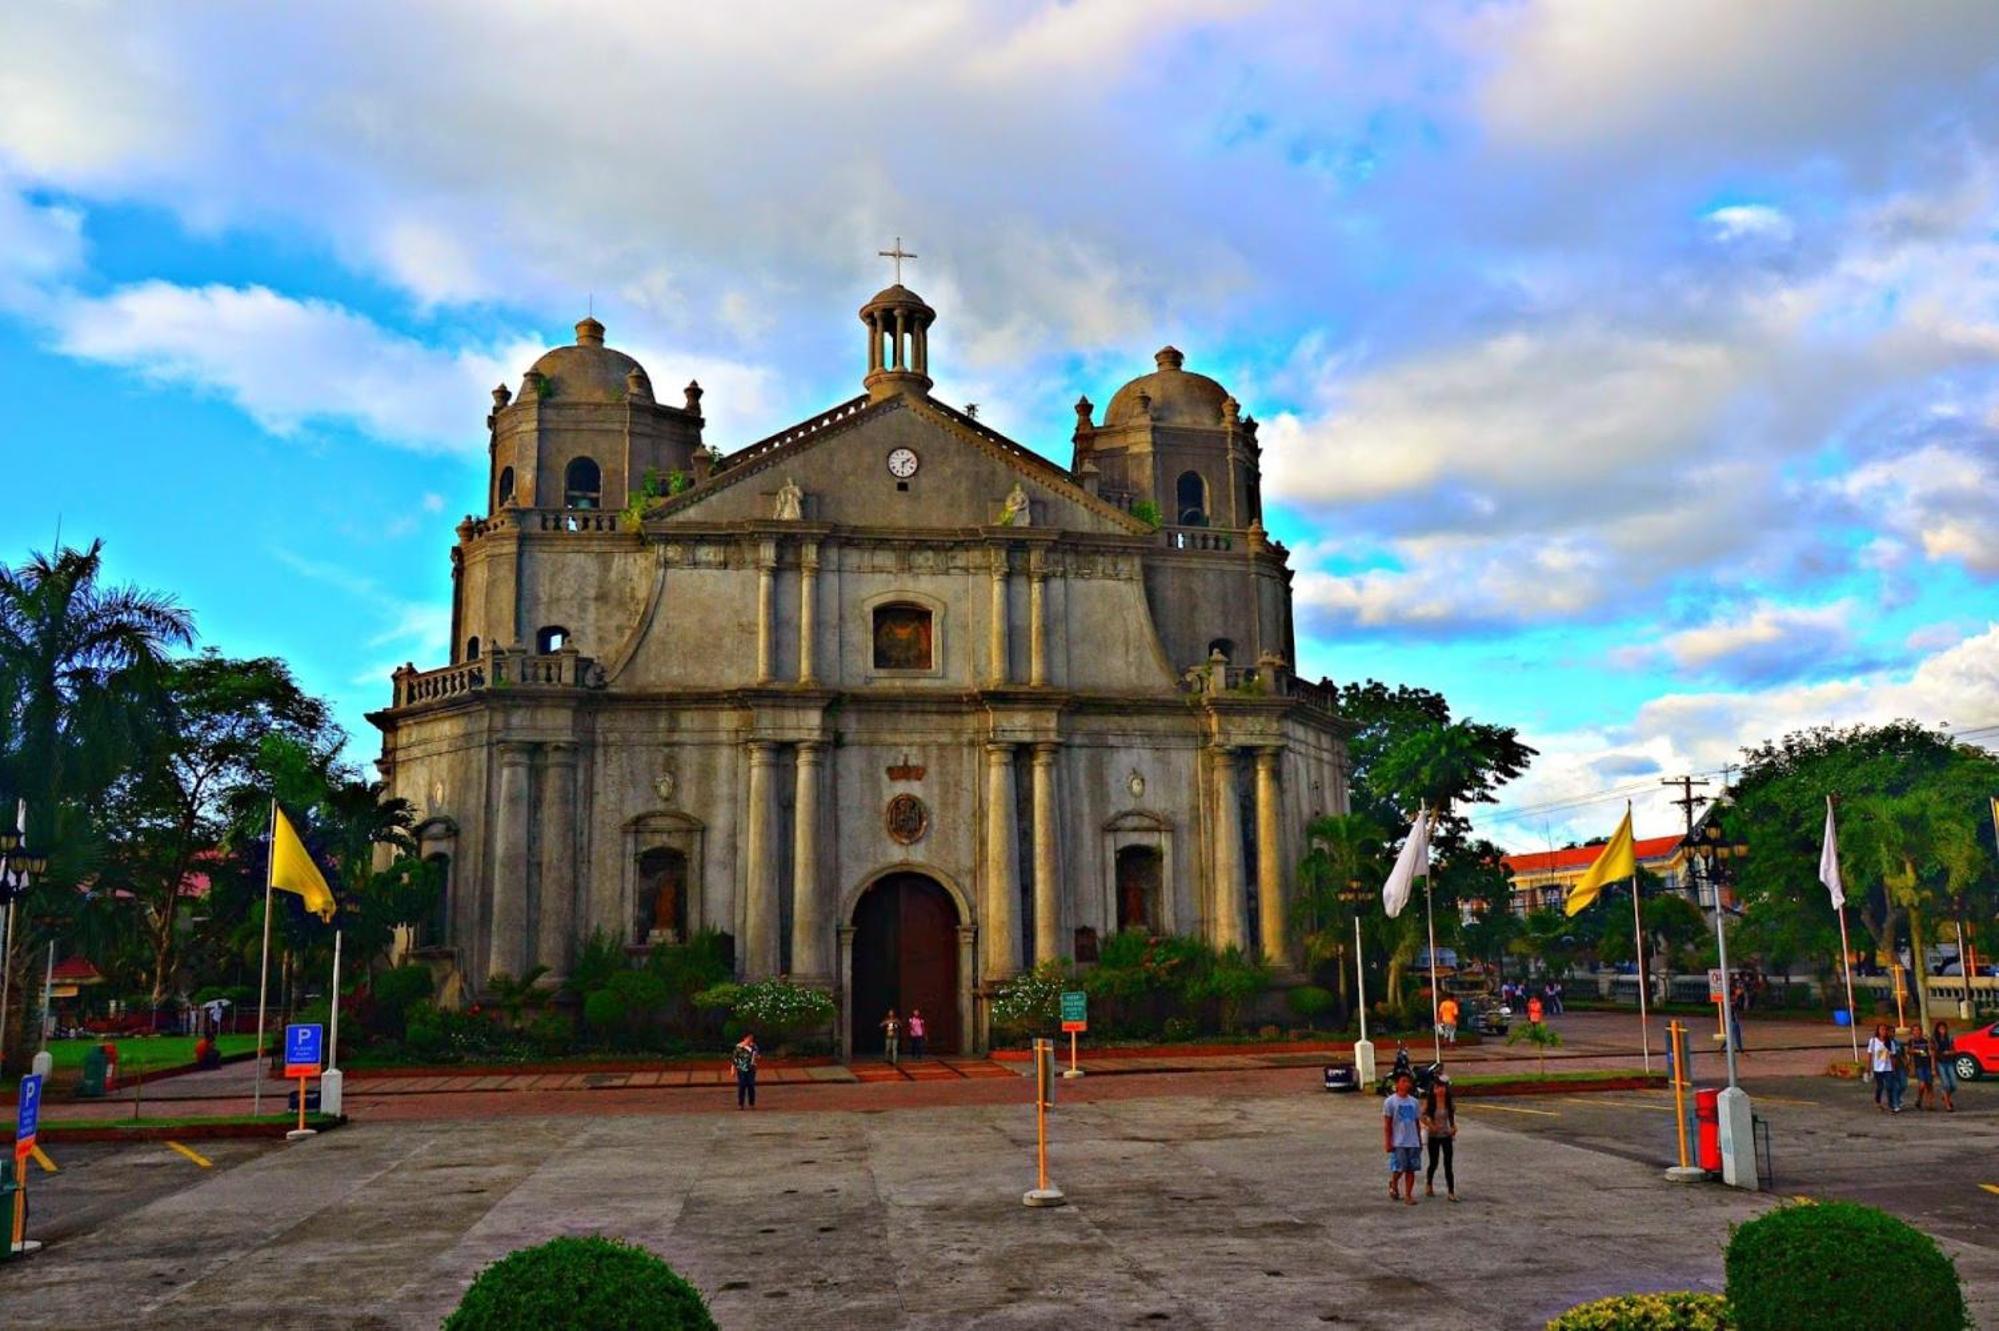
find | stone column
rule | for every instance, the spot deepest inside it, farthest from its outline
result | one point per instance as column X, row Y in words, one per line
column 808, row 611
column 973, row 1041
column 996, row 642
column 508, row 951
column 557, row 926
column 1231, row 915
column 1002, row 910
column 809, row 923
column 898, row 339
column 760, row 904
column 766, row 612
column 843, row 1039
column 1037, row 627
column 1270, row 904
column 1047, row 871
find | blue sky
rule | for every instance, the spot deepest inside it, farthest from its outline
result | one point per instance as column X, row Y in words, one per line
column 1626, row 372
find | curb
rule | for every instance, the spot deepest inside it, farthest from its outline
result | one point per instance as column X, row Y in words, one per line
column 191, row 1132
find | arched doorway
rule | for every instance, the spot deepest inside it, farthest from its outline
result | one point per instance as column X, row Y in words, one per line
column 905, row 956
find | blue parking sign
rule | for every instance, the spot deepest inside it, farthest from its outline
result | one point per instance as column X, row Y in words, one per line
column 28, row 1117
column 303, row 1045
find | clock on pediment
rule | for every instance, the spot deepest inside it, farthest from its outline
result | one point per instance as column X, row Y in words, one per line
column 902, row 463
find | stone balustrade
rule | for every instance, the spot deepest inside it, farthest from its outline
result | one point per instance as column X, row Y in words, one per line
column 1269, row 678
column 1197, row 538
column 497, row 670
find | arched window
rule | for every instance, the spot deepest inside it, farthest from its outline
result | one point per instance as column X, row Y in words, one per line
column 1191, row 499
column 505, row 491
column 435, row 931
column 1226, row 646
column 903, row 637
column 660, row 908
column 551, row 638
column 582, row 484
column 472, row 648
column 1138, row 874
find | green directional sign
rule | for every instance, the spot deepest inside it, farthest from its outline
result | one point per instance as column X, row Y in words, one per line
column 1075, row 1010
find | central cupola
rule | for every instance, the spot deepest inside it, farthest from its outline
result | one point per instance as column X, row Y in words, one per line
column 898, row 343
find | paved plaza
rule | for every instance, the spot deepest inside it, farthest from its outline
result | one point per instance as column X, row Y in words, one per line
column 1237, row 1195
column 1186, row 1210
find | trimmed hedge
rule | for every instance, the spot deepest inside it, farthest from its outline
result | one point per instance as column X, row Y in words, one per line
column 586, row 1284
column 1648, row 1312
column 1833, row 1265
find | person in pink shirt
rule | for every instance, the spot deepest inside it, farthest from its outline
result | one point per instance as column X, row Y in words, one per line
column 917, row 1030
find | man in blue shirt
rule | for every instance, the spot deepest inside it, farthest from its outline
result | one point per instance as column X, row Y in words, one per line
column 1402, row 1138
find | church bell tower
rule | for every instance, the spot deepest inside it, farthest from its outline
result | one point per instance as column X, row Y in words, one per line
column 898, row 325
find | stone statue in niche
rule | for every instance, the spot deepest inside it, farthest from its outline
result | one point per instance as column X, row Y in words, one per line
column 790, row 502
column 664, row 786
column 1017, row 511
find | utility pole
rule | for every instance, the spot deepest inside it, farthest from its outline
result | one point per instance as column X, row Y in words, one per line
column 1687, row 801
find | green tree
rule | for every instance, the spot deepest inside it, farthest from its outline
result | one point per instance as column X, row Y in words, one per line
column 169, row 813
column 1341, row 870
column 80, row 668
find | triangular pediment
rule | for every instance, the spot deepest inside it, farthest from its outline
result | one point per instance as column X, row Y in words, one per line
column 839, row 462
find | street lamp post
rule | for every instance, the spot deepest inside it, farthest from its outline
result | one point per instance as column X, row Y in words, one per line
column 1738, row 1119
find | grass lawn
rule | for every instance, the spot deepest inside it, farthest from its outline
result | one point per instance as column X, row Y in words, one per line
column 144, row 1053
column 191, row 1121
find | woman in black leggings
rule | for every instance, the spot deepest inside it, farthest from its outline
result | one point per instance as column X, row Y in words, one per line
column 1440, row 1126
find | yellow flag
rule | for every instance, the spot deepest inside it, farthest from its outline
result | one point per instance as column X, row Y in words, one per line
column 1617, row 861
column 292, row 869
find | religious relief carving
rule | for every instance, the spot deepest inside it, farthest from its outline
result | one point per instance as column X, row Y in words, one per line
column 436, row 796
column 905, row 770
column 666, row 785
column 1135, row 783
column 906, row 820
column 790, row 505
column 1017, row 510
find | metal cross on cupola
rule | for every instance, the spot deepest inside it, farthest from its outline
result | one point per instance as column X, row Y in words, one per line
column 898, row 254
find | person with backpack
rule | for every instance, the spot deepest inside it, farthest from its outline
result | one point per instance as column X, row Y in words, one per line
column 744, row 1060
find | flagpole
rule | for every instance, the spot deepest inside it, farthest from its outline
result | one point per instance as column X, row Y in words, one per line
column 1430, row 921
column 264, row 968
column 1644, row 980
column 333, row 1035
column 1846, row 960
column 1360, row 977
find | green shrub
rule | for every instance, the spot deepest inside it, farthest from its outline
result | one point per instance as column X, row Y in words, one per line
column 396, row 991
column 604, row 1012
column 780, row 1008
column 585, row 1284
column 424, row 1039
column 1030, row 1001
column 1233, row 980
column 1179, row 1028
column 1648, row 1312
column 1831, row 1265
column 1310, row 1001
column 550, row 1034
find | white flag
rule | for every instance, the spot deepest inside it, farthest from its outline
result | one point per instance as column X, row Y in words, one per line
column 1829, row 860
column 1414, row 859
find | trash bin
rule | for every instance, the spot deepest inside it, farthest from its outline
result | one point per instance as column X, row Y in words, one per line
column 1707, row 1114
column 1841, row 1017
column 93, row 1073
column 7, row 1190
column 110, row 1066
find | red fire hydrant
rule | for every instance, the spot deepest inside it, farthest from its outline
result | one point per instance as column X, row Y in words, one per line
column 110, row 1066
column 1707, row 1113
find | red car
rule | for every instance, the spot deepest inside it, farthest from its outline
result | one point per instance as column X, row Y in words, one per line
column 1976, row 1053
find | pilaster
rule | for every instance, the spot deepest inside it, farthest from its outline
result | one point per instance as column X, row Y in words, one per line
column 507, row 950
column 1002, row 867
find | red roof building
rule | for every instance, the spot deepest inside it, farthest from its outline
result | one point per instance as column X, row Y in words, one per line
column 1542, row 878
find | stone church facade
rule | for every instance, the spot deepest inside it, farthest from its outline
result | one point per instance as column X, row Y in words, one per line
column 895, row 703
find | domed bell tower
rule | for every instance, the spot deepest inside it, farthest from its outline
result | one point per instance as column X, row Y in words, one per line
column 898, row 325
column 1179, row 441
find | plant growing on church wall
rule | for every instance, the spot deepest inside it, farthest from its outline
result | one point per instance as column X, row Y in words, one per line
column 1147, row 512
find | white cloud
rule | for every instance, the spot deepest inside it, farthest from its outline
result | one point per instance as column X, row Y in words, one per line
column 1750, row 222
column 1937, row 497
column 1779, row 77
column 291, row 363
column 1704, row 732
column 1766, row 641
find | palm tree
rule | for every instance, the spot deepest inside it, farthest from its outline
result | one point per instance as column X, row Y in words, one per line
column 80, row 683
column 1924, row 845
column 1340, row 871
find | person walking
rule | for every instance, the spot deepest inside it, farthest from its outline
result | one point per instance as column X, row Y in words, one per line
column 1881, row 1063
column 1447, row 1020
column 917, row 1030
column 1922, row 1061
column 744, row 1060
column 1945, row 1050
column 1402, row 1137
column 1440, row 1126
column 891, row 1035
column 1534, row 1011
